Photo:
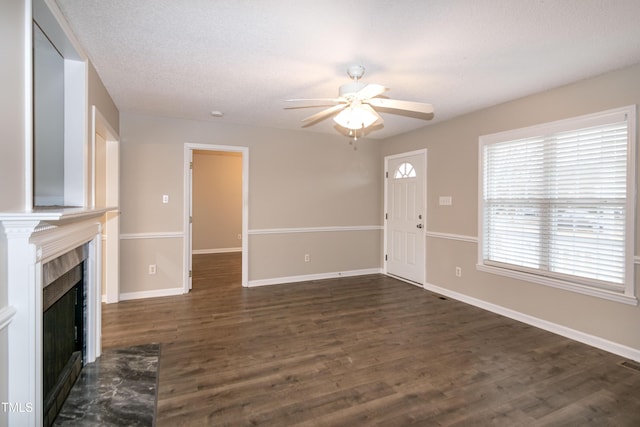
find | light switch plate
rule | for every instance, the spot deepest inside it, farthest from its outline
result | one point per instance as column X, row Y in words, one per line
column 446, row 201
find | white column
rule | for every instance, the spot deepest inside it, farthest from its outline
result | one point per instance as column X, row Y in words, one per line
column 25, row 331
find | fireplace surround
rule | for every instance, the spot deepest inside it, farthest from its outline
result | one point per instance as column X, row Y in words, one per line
column 34, row 239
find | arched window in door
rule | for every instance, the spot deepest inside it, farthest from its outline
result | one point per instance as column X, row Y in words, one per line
column 405, row 170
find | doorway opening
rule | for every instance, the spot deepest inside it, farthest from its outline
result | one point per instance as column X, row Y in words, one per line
column 216, row 208
column 105, row 179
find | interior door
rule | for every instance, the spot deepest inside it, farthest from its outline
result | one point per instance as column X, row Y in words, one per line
column 189, row 258
column 405, row 216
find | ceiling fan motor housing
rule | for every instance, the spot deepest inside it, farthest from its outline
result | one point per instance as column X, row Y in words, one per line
column 355, row 71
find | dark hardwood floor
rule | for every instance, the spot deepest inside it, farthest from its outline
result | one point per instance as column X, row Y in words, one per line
column 368, row 350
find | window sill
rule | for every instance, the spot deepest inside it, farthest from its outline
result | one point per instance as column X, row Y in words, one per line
column 559, row 284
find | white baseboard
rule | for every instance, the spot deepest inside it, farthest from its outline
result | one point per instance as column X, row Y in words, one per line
column 151, row 294
column 307, row 277
column 592, row 340
column 215, row 251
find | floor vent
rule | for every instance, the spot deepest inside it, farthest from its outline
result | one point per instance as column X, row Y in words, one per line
column 630, row 364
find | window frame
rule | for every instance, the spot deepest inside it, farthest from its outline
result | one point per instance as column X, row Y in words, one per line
column 627, row 293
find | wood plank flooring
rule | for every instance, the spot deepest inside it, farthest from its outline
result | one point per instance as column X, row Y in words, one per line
column 368, row 350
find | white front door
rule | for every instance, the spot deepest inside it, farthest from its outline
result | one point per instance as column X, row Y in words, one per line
column 405, row 216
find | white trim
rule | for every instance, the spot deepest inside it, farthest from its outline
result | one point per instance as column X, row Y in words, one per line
column 450, row 236
column 76, row 150
column 6, row 316
column 308, row 277
column 151, row 294
column 100, row 123
column 111, row 259
column 559, row 284
column 316, row 229
column 592, row 340
column 165, row 235
column 215, row 251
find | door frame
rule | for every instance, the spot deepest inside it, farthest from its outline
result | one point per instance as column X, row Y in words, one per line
column 111, row 232
column 424, row 209
column 189, row 148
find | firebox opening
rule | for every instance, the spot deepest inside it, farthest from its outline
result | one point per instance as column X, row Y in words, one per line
column 63, row 328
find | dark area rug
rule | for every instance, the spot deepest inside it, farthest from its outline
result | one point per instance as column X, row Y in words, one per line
column 119, row 389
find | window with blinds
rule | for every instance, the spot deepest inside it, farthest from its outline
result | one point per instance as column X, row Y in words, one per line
column 557, row 201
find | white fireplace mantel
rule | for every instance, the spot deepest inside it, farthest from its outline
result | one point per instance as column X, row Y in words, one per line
column 34, row 238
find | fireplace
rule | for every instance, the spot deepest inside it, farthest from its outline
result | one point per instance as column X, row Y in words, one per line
column 63, row 332
column 53, row 269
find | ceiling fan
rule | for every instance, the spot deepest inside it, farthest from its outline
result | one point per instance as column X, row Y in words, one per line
column 353, row 107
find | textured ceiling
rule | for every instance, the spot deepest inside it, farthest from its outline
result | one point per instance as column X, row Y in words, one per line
column 245, row 57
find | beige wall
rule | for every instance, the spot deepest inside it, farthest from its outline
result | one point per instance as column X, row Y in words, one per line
column 12, row 139
column 281, row 256
column 12, row 105
column 452, row 171
column 99, row 97
column 216, row 201
column 296, row 180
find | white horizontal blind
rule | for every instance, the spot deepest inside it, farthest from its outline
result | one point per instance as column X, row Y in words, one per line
column 555, row 204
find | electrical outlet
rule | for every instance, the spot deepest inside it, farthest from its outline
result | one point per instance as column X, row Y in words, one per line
column 152, row 269
column 307, row 257
column 239, row 236
column 458, row 272
column 165, row 198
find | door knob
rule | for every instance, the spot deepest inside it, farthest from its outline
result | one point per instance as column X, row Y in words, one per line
column 419, row 225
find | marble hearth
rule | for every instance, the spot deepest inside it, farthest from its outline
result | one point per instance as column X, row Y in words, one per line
column 34, row 239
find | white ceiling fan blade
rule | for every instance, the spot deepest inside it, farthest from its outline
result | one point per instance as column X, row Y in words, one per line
column 314, row 102
column 395, row 104
column 370, row 90
column 324, row 113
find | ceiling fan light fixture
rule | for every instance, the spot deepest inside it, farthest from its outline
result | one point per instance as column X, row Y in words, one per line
column 355, row 117
column 354, row 108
